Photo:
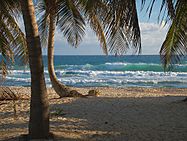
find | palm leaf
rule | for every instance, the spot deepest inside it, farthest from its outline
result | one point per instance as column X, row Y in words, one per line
column 98, row 29
column 70, row 21
column 175, row 44
column 121, row 25
column 12, row 39
column 166, row 12
column 93, row 10
column 42, row 11
column 16, row 38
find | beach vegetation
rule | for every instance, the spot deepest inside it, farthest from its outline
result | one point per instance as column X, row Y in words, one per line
column 12, row 39
column 13, row 44
column 174, row 46
column 116, row 26
column 114, row 23
column 173, row 13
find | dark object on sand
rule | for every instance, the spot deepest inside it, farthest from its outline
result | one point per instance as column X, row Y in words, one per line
column 93, row 92
column 7, row 94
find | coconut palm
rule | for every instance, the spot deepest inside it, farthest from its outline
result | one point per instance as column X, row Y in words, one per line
column 39, row 114
column 71, row 16
column 110, row 20
column 12, row 39
column 13, row 44
column 116, row 26
column 174, row 46
column 39, row 107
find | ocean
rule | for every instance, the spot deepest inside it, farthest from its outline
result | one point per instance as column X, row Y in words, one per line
column 101, row 71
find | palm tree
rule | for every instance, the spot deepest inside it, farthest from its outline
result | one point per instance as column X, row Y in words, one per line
column 13, row 44
column 12, row 39
column 115, row 27
column 39, row 106
column 174, row 46
column 51, row 8
column 110, row 20
column 39, row 114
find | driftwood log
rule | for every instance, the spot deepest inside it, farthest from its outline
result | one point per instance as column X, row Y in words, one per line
column 11, row 93
column 7, row 94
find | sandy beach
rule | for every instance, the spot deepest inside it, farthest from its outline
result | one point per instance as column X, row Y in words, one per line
column 128, row 114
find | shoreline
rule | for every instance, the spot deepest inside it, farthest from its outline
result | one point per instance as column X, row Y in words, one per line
column 123, row 92
column 140, row 114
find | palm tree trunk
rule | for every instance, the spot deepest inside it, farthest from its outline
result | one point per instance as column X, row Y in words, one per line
column 61, row 89
column 39, row 106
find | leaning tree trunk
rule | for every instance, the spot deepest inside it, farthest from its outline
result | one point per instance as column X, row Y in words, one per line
column 61, row 89
column 39, row 107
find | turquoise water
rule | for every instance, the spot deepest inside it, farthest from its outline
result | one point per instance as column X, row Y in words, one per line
column 123, row 71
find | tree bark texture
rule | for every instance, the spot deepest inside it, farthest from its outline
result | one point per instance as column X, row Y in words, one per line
column 39, row 106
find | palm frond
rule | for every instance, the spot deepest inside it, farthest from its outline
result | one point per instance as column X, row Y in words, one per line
column 175, row 44
column 98, row 29
column 6, row 55
column 118, row 42
column 5, row 49
column 167, row 9
column 16, row 38
column 12, row 39
column 70, row 21
column 43, row 26
column 93, row 10
column 121, row 24
column 42, row 11
column 11, row 6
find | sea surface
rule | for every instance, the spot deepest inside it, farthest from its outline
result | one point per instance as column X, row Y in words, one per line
column 122, row 71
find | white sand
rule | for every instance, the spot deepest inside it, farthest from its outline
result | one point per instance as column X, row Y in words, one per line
column 130, row 114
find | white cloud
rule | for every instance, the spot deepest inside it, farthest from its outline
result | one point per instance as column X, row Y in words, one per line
column 146, row 27
column 88, row 46
column 153, row 36
column 90, row 38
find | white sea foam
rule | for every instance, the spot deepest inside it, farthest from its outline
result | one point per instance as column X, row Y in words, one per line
column 109, row 74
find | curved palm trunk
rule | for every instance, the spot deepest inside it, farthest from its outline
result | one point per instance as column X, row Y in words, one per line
column 61, row 89
column 39, row 107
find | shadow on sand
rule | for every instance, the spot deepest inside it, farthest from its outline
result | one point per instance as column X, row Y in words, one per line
column 118, row 119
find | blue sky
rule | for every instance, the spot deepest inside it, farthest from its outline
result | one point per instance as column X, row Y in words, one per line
column 151, row 32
